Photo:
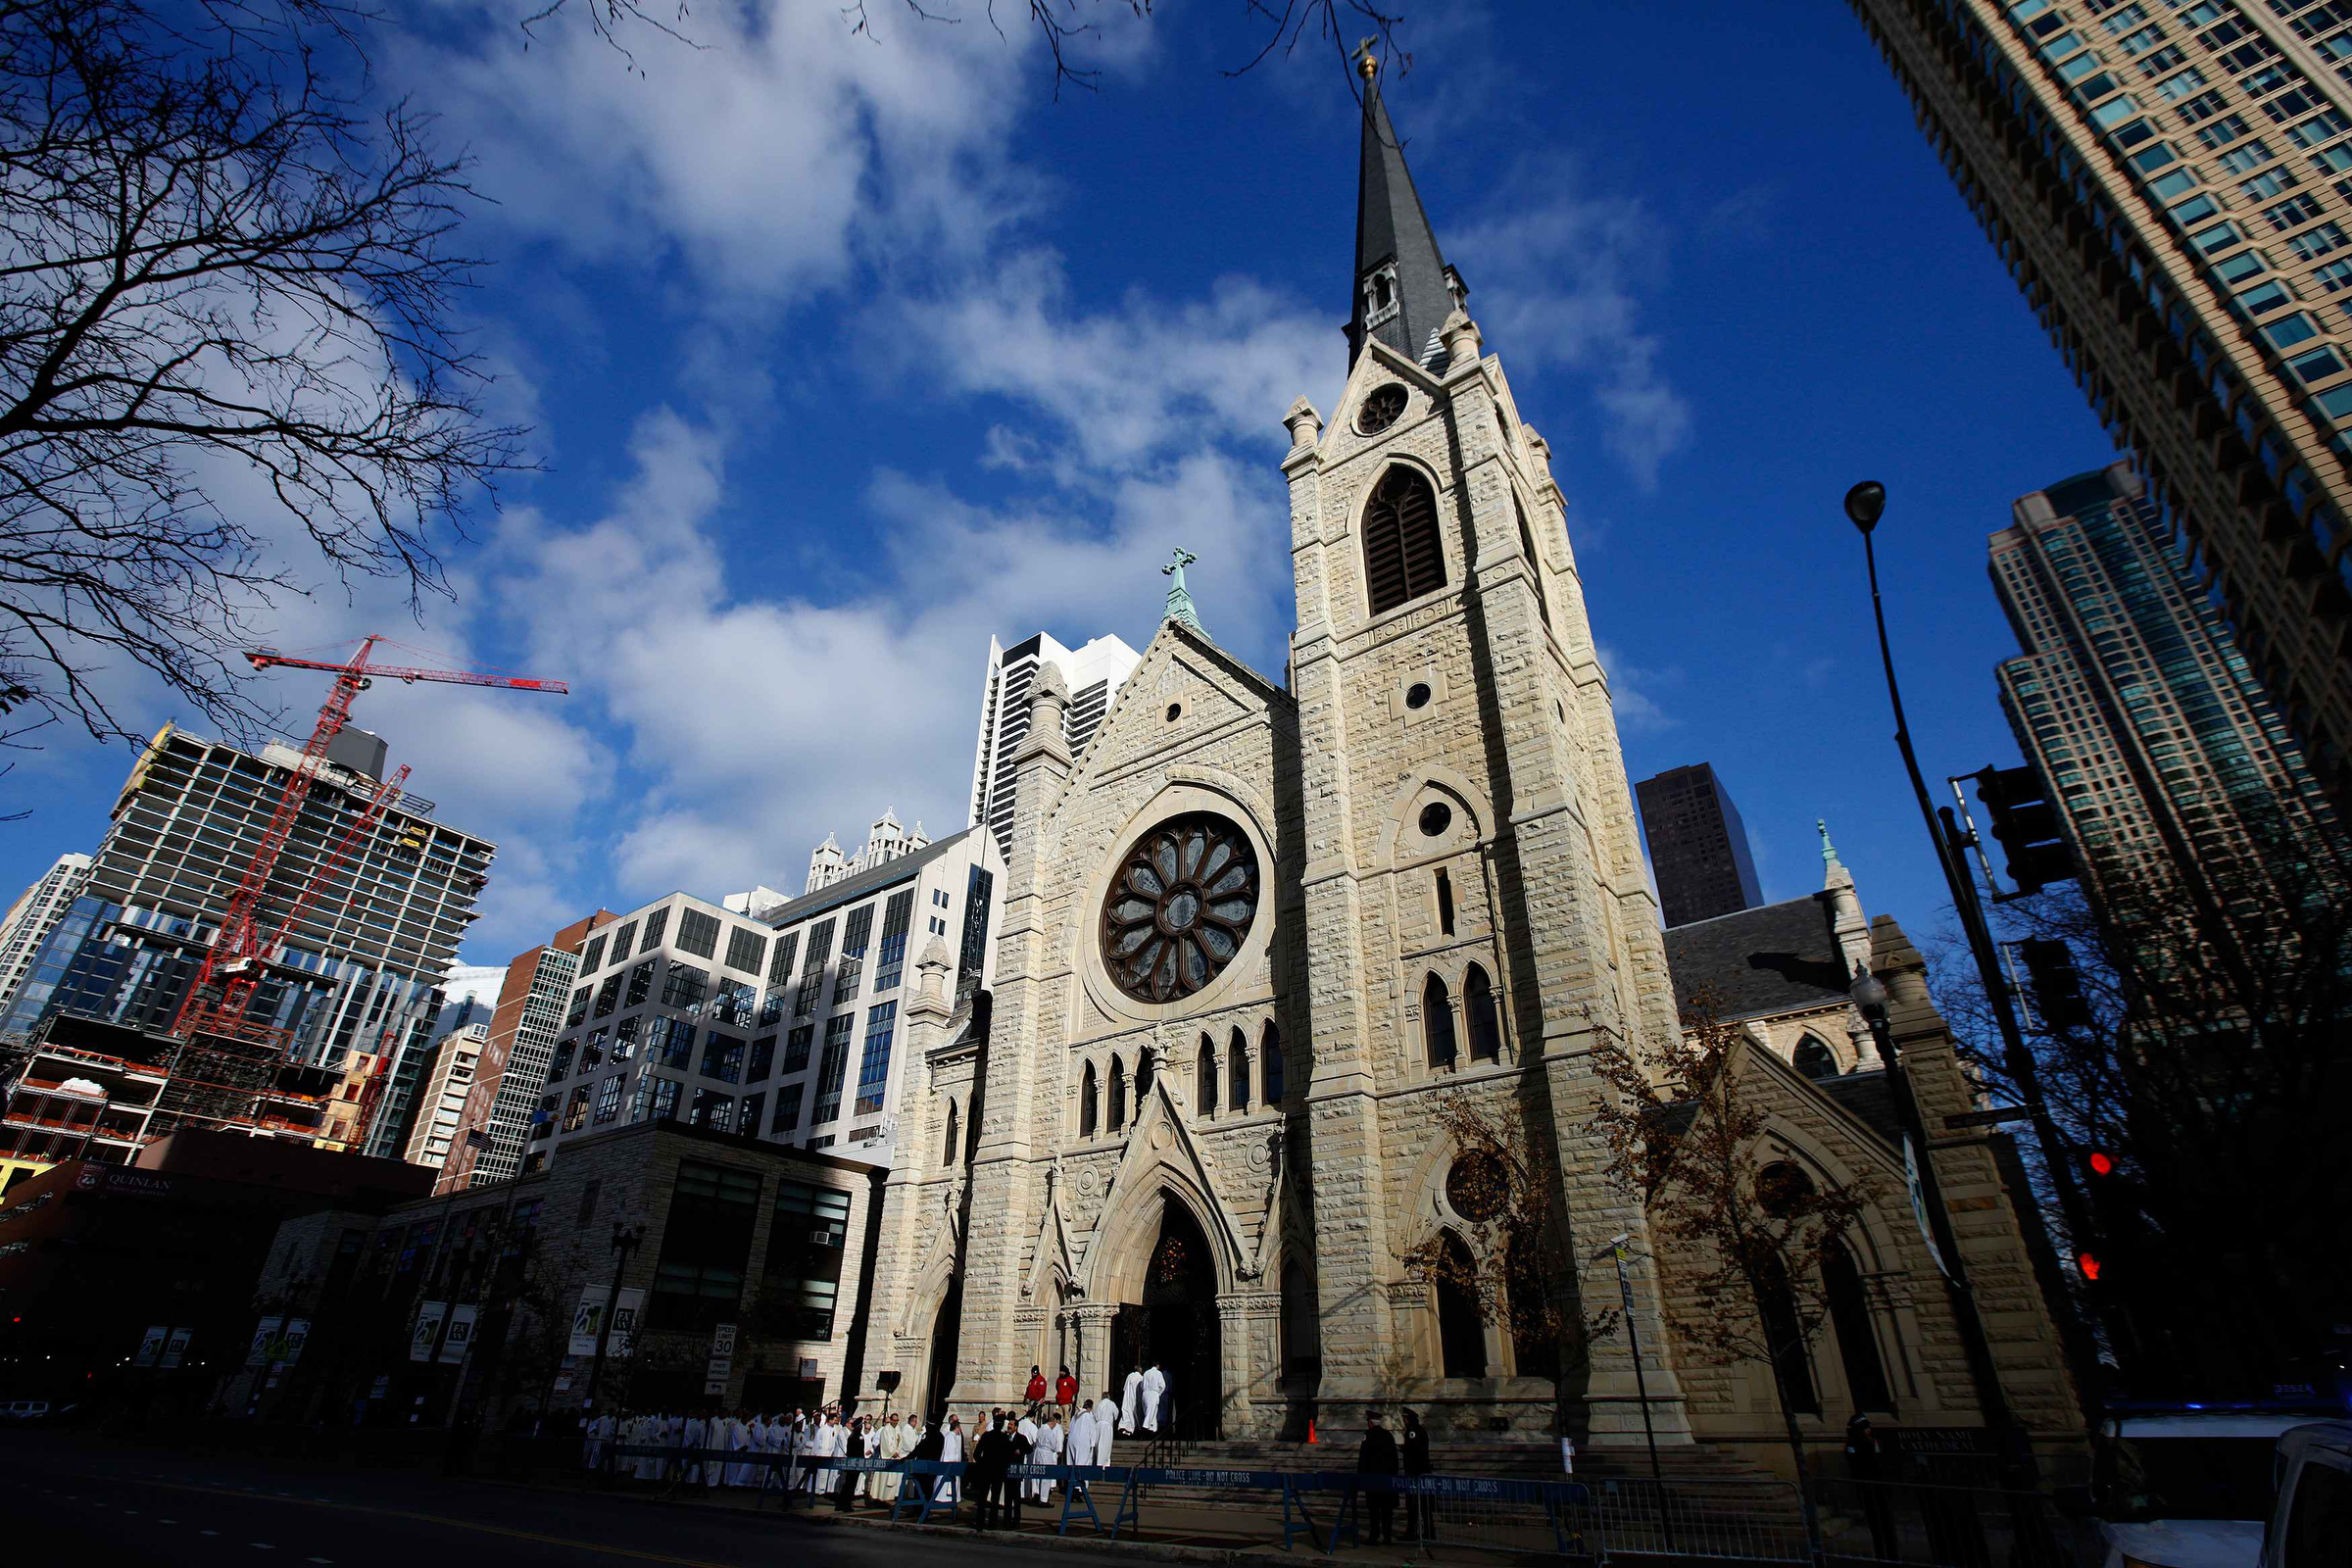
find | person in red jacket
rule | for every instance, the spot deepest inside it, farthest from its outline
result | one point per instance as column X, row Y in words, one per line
column 1065, row 1392
column 1036, row 1387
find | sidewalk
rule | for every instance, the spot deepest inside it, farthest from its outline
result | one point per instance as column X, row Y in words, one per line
column 1171, row 1530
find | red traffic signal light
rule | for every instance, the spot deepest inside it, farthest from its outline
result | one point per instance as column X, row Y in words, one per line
column 2102, row 1164
column 2088, row 1264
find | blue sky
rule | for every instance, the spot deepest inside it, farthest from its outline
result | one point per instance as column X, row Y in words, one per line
column 842, row 353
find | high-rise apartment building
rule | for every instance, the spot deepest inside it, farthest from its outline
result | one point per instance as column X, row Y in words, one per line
column 34, row 916
column 2171, row 187
column 2140, row 715
column 1093, row 673
column 512, row 1069
column 785, row 1028
column 441, row 1103
column 1697, row 845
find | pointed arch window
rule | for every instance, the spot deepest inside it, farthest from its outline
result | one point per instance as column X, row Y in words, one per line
column 1857, row 1346
column 1237, row 1056
column 1086, row 1101
column 1444, row 904
column 955, row 1127
column 1402, row 555
column 1143, row 1079
column 1535, row 563
column 1461, row 1329
column 1117, row 1117
column 1478, row 1008
column 1269, row 1053
column 1209, row 1076
column 1815, row 1059
column 1436, row 1022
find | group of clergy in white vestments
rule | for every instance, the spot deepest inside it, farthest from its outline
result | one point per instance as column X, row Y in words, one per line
column 808, row 1438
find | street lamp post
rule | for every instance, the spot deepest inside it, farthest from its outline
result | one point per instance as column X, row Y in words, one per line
column 626, row 1238
column 1863, row 504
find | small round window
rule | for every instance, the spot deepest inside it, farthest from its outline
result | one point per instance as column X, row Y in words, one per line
column 1417, row 694
column 1478, row 1186
column 1382, row 406
column 1175, row 711
column 1435, row 818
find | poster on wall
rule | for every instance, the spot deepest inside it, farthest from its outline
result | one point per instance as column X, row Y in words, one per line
column 176, row 1348
column 460, row 1332
column 151, row 1345
column 427, row 1330
column 265, row 1336
column 589, row 1316
column 298, row 1334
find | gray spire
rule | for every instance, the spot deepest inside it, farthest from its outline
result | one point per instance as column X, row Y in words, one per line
column 1403, row 288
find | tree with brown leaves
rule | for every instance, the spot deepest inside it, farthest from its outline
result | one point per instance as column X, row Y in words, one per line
column 1513, row 1262
column 1746, row 1229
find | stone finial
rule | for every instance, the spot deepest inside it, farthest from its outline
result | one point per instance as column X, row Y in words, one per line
column 1304, row 425
column 1537, row 444
column 1049, row 699
column 1461, row 338
column 1847, row 923
column 1049, row 687
column 931, row 971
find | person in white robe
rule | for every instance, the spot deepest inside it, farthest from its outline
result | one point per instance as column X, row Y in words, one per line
column 1080, row 1444
column 593, row 1430
column 950, row 1452
column 1107, row 1427
column 1130, row 1395
column 1046, row 1452
column 830, row 1443
column 1028, row 1428
column 890, row 1443
column 1154, row 1387
column 696, row 1437
column 739, row 1441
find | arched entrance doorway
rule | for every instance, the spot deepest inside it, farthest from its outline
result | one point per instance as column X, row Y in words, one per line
column 946, row 1331
column 1174, row 1326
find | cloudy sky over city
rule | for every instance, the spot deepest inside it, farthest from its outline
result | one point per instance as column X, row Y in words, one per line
column 842, row 352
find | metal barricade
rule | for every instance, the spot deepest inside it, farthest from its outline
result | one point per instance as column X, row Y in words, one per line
column 1914, row 1522
column 1743, row 1521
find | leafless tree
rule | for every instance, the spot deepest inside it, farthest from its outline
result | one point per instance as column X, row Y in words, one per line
column 1065, row 25
column 1744, row 1231
column 226, row 355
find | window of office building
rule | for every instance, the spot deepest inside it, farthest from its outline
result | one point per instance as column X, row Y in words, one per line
column 684, row 986
column 833, row 1066
column 746, row 949
column 813, row 968
column 796, row 1047
column 891, row 962
column 706, row 1247
column 655, row 924
column 788, row 1109
column 873, row 1071
column 641, row 984
column 722, row 1057
column 854, row 933
column 697, row 933
column 807, row 1234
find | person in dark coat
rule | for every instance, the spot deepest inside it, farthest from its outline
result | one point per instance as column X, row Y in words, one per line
column 1377, row 1457
column 1862, row 1464
column 845, row 1489
column 1018, row 1447
column 991, row 1454
column 1421, row 1512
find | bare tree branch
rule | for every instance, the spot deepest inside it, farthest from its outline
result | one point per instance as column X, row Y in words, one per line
column 216, row 273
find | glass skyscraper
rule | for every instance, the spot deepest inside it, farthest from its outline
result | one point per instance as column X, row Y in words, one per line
column 2136, row 705
column 2171, row 185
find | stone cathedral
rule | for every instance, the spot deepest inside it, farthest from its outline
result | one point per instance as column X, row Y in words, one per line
column 1258, row 930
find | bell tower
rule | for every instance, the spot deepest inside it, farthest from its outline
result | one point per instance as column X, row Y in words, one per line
column 1476, row 911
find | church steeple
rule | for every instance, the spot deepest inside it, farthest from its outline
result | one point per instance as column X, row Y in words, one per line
column 1403, row 288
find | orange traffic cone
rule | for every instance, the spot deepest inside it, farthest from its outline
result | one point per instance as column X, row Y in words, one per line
column 1311, row 1429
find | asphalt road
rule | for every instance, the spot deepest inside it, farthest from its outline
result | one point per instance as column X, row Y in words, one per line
column 68, row 1501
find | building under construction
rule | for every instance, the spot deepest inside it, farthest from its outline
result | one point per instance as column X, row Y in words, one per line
column 368, row 899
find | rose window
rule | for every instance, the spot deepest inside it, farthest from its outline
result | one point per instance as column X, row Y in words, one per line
column 1179, row 908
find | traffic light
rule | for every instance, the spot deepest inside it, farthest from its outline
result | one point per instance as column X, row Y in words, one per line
column 2026, row 822
column 2056, row 984
column 2101, row 1166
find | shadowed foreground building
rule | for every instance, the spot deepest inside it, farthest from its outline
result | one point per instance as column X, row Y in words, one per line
column 1258, row 937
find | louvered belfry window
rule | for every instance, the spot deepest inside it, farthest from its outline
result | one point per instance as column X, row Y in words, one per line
column 1402, row 558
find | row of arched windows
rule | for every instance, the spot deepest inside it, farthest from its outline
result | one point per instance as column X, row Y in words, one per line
column 1224, row 1078
column 1480, row 1019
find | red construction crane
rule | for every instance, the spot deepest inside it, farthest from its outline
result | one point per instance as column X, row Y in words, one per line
column 239, row 959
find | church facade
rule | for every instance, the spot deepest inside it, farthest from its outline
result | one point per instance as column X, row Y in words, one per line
column 1258, row 933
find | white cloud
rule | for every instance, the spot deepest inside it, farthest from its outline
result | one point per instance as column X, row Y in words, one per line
column 1633, row 689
